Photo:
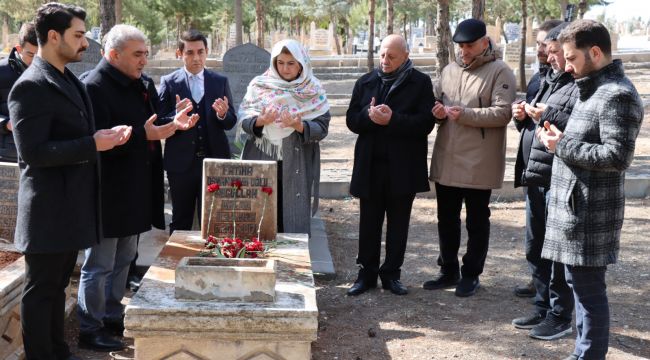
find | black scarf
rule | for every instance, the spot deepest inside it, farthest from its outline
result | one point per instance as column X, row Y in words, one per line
column 397, row 77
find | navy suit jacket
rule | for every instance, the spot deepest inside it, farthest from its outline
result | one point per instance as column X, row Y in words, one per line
column 180, row 149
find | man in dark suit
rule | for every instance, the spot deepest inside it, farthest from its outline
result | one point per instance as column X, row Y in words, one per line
column 58, row 197
column 209, row 93
column 11, row 68
column 132, row 182
column 390, row 110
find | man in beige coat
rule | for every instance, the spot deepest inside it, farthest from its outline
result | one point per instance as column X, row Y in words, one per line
column 473, row 108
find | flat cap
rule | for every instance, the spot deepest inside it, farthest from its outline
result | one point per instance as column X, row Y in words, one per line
column 469, row 31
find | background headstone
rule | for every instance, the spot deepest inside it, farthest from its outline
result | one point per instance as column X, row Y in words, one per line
column 9, row 175
column 89, row 59
column 241, row 64
column 220, row 207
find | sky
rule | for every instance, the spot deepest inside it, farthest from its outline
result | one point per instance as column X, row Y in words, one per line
column 622, row 10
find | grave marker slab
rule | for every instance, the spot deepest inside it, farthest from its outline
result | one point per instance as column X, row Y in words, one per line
column 244, row 206
column 9, row 175
column 241, row 64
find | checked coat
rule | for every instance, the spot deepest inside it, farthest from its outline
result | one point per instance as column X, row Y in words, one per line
column 587, row 195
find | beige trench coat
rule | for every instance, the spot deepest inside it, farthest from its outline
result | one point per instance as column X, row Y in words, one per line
column 470, row 152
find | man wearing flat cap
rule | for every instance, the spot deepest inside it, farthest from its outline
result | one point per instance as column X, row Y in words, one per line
column 473, row 109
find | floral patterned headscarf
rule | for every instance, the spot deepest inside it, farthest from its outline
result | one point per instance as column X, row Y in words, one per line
column 304, row 96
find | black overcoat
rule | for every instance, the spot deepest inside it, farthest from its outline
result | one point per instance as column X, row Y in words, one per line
column 58, row 196
column 132, row 175
column 407, row 131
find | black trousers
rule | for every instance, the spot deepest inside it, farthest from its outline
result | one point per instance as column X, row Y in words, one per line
column 552, row 291
column 42, row 310
column 450, row 201
column 186, row 193
column 397, row 210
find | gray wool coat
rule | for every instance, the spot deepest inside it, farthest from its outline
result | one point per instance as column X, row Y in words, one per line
column 587, row 195
column 300, row 170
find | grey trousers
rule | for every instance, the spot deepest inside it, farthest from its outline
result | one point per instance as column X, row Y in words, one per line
column 103, row 281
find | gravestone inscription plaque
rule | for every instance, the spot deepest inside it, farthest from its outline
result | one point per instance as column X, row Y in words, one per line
column 9, row 175
column 238, row 211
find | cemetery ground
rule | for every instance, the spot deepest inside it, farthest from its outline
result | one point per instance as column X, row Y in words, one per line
column 436, row 324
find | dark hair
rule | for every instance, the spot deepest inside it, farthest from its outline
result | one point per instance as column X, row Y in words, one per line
column 549, row 24
column 191, row 35
column 27, row 34
column 587, row 33
column 554, row 33
column 55, row 16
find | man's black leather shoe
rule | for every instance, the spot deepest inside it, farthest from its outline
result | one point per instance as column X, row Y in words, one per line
column 395, row 286
column 100, row 341
column 442, row 281
column 467, row 286
column 360, row 286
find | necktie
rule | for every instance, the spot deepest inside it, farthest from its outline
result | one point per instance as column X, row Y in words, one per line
column 195, row 88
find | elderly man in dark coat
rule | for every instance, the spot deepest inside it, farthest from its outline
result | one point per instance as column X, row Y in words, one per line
column 58, row 197
column 132, row 182
column 587, row 196
column 390, row 109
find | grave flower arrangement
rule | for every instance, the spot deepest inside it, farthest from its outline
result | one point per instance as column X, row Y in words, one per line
column 234, row 247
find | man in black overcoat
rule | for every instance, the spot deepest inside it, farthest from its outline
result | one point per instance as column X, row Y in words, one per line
column 58, row 197
column 390, row 109
column 132, row 182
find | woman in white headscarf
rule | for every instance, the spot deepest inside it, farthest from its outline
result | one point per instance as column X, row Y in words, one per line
column 285, row 114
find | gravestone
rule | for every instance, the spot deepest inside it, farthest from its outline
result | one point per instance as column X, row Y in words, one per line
column 9, row 175
column 89, row 59
column 241, row 64
column 242, row 210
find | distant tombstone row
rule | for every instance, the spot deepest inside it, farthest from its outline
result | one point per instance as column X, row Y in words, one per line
column 239, row 212
column 9, row 175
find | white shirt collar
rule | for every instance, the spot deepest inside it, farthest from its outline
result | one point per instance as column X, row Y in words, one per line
column 189, row 74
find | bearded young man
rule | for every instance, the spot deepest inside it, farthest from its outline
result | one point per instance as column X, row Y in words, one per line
column 587, row 196
column 58, row 197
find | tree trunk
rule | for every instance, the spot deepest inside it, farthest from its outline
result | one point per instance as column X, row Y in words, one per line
column 444, row 36
column 389, row 16
column 404, row 26
column 106, row 16
column 238, row 23
column 118, row 11
column 349, row 35
column 371, row 36
column 582, row 8
column 522, row 51
column 259, row 15
column 336, row 34
column 478, row 9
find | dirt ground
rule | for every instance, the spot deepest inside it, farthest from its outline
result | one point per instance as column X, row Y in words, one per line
column 438, row 325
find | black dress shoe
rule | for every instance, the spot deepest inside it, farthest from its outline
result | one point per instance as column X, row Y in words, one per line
column 527, row 290
column 395, row 286
column 442, row 281
column 360, row 286
column 467, row 286
column 114, row 327
column 99, row 341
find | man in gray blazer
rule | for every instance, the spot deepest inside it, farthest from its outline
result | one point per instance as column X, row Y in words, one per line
column 587, row 195
column 59, row 189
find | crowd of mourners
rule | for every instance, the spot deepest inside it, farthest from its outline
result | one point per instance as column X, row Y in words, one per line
column 92, row 163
